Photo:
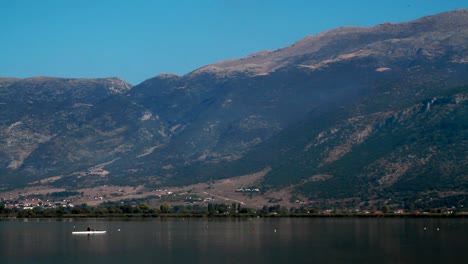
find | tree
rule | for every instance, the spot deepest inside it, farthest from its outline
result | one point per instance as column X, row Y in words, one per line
column 233, row 208
column 385, row 209
column 274, row 208
column 221, row 208
column 244, row 211
column 59, row 212
column 127, row 209
column 84, row 208
column 114, row 210
column 211, row 208
column 179, row 208
column 102, row 210
column 284, row 210
column 144, row 207
column 165, row 208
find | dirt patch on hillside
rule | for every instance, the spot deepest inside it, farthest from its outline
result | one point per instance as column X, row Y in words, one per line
column 29, row 191
column 243, row 189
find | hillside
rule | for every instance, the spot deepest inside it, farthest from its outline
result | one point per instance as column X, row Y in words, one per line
column 351, row 115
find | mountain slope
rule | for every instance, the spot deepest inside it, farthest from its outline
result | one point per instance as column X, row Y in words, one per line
column 55, row 127
column 352, row 114
column 221, row 111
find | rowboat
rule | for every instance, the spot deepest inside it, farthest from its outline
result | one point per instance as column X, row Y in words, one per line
column 92, row 232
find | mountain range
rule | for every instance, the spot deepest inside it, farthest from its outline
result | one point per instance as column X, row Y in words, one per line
column 348, row 116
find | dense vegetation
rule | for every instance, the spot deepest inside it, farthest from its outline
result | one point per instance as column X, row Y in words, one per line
column 216, row 210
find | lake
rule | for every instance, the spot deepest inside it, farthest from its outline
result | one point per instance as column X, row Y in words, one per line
column 231, row 240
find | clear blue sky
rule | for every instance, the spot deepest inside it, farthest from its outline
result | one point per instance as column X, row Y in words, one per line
column 136, row 39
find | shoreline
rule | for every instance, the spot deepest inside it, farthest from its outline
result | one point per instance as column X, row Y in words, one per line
column 181, row 215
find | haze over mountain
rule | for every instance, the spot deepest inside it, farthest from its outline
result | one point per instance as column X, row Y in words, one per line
column 351, row 114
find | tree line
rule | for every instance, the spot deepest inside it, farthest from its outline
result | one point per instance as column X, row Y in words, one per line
column 143, row 209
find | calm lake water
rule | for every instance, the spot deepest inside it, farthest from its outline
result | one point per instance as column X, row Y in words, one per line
column 256, row 240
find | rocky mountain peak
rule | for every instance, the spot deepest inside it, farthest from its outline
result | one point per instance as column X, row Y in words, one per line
column 432, row 31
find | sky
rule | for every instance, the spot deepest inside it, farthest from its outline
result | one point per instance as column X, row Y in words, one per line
column 136, row 40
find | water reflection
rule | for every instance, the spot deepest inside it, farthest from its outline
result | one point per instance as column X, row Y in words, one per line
column 259, row 240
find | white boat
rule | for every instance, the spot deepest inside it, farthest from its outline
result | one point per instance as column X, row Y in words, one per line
column 92, row 232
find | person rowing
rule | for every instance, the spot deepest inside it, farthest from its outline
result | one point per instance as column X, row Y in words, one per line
column 89, row 231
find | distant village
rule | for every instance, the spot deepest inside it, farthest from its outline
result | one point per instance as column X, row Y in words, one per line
column 29, row 204
column 189, row 199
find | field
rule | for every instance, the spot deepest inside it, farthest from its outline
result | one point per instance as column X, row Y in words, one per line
column 242, row 189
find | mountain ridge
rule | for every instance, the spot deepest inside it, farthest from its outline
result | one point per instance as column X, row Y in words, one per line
column 314, row 43
column 331, row 118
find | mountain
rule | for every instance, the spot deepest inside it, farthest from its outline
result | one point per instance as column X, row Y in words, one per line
column 350, row 115
column 52, row 126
